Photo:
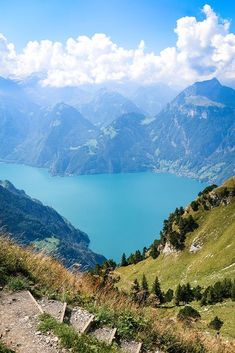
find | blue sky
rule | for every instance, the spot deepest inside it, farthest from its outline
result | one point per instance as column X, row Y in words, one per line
column 125, row 21
column 76, row 42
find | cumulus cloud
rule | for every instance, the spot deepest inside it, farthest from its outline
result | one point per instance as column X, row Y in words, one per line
column 204, row 49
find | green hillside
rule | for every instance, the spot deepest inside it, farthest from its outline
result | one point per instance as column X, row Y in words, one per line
column 212, row 260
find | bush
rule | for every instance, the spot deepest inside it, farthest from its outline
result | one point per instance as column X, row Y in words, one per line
column 18, row 283
column 194, row 205
column 207, row 190
column 216, row 324
column 188, row 313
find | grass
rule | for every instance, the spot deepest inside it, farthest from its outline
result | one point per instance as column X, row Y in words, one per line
column 4, row 349
column 71, row 340
column 214, row 261
column 48, row 245
column 45, row 276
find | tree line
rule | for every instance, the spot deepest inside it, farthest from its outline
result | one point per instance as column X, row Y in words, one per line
column 184, row 294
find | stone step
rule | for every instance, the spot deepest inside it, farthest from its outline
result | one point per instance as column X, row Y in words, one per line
column 81, row 319
column 19, row 322
column 105, row 334
column 130, row 346
column 54, row 308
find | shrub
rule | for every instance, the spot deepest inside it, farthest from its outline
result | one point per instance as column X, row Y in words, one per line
column 18, row 283
column 216, row 324
column 188, row 313
column 194, row 205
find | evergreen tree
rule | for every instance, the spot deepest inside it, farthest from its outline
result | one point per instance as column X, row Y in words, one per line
column 154, row 253
column 216, row 293
column 131, row 259
column 156, row 289
column 226, row 288
column 124, row 260
column 144, row 252
column 189, row 296
column 178, row 295
column 144, row 285
column 197, row 293
column 135, row 288
column 210, row 296
column 169, row 295
column 137, row 257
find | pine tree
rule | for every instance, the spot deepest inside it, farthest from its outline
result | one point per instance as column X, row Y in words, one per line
column 169, row 295
column 138, row 257
column 197, row 292
column 145, row 288
column 226, row 287
column 145, row 283
column 178, row 295
column 188, row 293
column 156, row 289
column 135, row 288
column 144, row 252
column 124, row 260
column 217, row 293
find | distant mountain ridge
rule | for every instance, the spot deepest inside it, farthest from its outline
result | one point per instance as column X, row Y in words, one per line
column 29, row 222
column 192, row 135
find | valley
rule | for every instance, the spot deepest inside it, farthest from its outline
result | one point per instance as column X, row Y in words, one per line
column 119, row 212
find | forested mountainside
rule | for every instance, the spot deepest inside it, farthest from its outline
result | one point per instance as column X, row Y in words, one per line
column 196, row 243
column 29, row 222
column 193, row 135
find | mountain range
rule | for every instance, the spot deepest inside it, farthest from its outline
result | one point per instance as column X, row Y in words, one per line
column 107, row 132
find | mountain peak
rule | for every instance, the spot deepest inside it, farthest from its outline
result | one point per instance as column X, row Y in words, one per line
column 210, row 89
column 212, row 84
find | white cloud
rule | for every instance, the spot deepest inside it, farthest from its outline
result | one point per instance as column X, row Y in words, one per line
column 204, row 49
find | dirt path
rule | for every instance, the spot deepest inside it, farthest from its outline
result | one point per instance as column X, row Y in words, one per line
column 18, row 325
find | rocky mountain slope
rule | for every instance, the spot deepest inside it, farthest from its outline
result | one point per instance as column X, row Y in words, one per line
column 31, row 223
column 193, row 135
column 107, row 106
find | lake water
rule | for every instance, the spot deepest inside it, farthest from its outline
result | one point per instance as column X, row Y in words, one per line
column 119, row 212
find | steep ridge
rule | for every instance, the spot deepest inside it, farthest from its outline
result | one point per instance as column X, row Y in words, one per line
column 31, row 223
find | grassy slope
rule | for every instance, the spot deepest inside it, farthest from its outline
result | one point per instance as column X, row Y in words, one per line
column 215, row 260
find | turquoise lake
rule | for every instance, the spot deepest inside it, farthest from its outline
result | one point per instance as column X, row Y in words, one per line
column 119, row 212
